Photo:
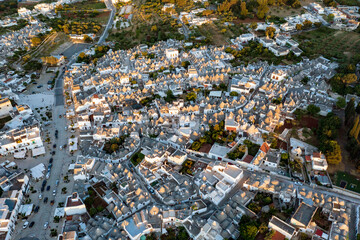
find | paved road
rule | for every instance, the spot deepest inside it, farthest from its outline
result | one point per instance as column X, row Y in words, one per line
column 60, row 166
column 104, row 35
column 75, row 48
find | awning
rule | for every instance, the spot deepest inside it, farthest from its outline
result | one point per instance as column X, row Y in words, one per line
column 38, row 151
column 26, row 209
column 20, row 154
column 38, row 171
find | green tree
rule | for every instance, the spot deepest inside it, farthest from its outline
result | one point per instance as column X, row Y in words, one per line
column 358, row 108
column 354, row 129
column 341, row 102
column 191, row 96
column 270, row 31
column 305, row 80
column 330, row 17
column 299, row 27
column 234, row 94
column 35, row 41
column 350, row 112
column 253, row 25
column 312, row 109
column 244, row 12
column 87, row 39
column 307, row 24
column 92, row 211
column 349, row 78
column 262, row 8
column 185, row 64
column 333, row 155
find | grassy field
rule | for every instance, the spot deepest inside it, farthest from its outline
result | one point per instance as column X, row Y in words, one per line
column 219, row 34
column 284, row 11
column 350, row 182
column 53, row 45
column 339, row 45
column 148, row 26
column 87, row 5
column 98, row 17
column 8, row 7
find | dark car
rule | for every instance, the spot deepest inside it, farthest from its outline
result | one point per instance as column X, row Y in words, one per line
column 46, row 200
column 53, row 153
column 52, row 202
column 51, row 160
column 42, row 188
column 40, row 86
column 48, row 188
column 56, row 131
column 31, row 224
column 54, row 146
column 34, row 82
column 44, row 183
column 37, row 209
column 50, row 166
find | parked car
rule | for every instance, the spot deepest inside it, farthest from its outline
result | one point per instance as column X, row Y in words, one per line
column 51, row 160
column 54, row 146
column 40, row 86
column 31, row 224
column 36, row 209
column 40, row 196
column 52, row 202
column 26, row 224
column 57, row 182
column 54, row 192
column 48, row 188
column 46, row 225
column 42, row 188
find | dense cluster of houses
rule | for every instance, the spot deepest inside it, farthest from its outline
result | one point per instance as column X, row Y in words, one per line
column 126, row 96
column 21, row 39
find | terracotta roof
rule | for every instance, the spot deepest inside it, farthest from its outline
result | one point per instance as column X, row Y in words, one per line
column 265, row 147
column 308, row 158
column 316, row 154
column 248, row 158
column 278, row 236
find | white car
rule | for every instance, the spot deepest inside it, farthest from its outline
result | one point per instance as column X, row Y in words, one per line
column 46, row 225
column 25, row 224
column 40, row 196
column 54, row 192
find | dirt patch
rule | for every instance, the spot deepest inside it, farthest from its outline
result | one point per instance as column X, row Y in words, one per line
column 284, row 11
column 214, row 34
column 205, row 148
column 306, row 121
column 247, row 20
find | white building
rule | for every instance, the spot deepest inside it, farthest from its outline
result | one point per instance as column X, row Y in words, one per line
column 178, row 157
column 20, row 140
column 23, row 12
column 171, row 53
column 278, row 75
column 318, row 162
column 282, row 227
column 5, row 107
column 74, row 205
